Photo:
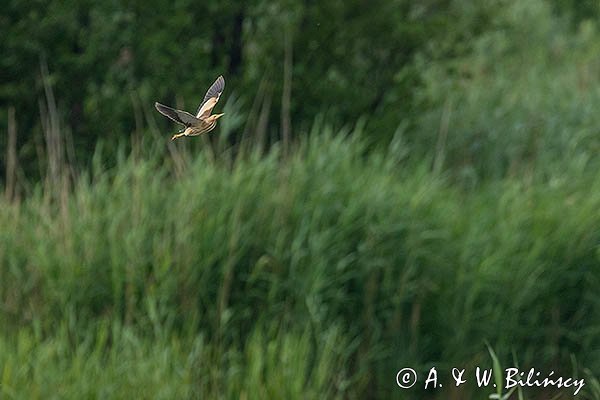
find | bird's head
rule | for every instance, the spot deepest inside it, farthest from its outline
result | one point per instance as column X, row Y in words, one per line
column 213, row 118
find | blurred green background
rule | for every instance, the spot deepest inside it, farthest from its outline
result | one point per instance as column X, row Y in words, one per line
column 395, row 184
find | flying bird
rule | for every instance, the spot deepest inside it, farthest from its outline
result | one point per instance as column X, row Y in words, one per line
column 203, row 122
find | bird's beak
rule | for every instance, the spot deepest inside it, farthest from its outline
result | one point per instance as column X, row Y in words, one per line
column 219, row 115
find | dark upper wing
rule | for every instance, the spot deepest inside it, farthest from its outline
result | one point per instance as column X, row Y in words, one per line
column 213, row 92
column 181, row 117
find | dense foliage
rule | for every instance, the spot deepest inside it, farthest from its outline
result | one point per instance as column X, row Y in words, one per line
column 107, row 62
column 328, row 271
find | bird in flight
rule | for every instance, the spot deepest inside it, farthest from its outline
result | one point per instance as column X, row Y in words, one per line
column 203, row 122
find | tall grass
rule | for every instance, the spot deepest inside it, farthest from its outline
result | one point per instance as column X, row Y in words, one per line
column 319, row 274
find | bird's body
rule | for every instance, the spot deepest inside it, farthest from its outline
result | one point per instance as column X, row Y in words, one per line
column 203, row 122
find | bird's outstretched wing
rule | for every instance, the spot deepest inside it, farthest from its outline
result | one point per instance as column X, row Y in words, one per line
column 211, row 98
column 181, row 117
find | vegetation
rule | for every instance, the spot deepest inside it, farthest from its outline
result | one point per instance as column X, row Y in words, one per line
column 444, row 213
column 328, row 271
column 391, row 60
